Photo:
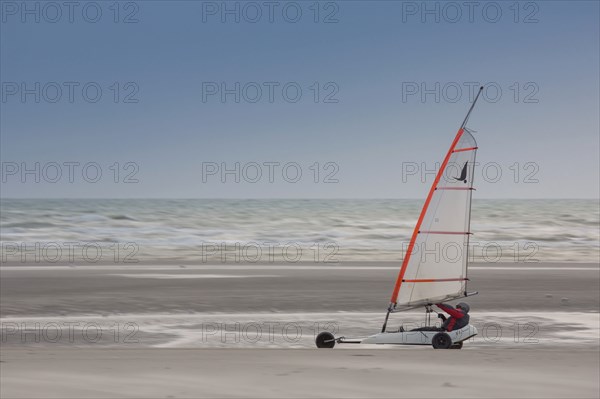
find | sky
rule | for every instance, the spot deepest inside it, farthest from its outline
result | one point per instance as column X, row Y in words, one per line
column 301, row 99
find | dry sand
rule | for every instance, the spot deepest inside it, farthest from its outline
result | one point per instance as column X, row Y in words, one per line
column 282, row 373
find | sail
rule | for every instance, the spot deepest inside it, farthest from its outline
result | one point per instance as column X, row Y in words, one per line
column 435, row 265
column 434, row 268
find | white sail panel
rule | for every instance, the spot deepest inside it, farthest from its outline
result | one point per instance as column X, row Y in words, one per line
column 437, row 266
column 422, row 295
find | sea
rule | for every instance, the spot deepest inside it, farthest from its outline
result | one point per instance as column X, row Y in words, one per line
column 196, row 231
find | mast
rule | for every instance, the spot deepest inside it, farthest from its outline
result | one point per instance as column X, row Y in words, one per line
column 432, row 190
column 471, row 109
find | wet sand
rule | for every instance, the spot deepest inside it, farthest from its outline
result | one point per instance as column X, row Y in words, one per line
column 187, row 336
column 53, row 290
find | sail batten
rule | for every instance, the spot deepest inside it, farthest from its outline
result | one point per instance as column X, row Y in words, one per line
column 445, row 232
column 434, row 280
column 465, row 149
column 454, row 188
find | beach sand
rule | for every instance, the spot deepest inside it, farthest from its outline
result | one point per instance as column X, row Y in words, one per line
column 322, row 287
column 282, row 373
column 190, row 331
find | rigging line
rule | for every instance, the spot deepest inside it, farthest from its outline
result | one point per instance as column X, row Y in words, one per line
column 470, row 199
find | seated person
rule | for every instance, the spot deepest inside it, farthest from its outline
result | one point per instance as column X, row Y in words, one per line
column 458, row 319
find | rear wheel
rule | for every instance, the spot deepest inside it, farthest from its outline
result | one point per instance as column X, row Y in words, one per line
column 441, row 341
column 325, row 340
column 457, row 345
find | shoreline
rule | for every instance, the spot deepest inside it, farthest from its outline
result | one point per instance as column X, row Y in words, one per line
column 341, row 264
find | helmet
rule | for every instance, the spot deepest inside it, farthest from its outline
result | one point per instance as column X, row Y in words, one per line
column 464, row 307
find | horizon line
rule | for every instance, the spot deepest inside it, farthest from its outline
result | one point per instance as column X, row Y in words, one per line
column 279, row 198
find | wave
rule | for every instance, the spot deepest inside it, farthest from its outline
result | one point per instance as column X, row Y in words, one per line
column 28, row 225
column 361, row 229
column 122, row 217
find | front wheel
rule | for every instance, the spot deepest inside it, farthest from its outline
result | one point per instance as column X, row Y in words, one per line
column 441, row 341
column 325, row 340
